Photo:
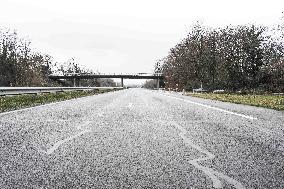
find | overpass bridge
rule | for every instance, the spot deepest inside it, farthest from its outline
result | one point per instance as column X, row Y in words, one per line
column 77, row 76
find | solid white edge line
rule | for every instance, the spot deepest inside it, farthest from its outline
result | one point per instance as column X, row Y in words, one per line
column 212, row 107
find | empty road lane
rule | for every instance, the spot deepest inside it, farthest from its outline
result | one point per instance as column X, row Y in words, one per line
column 138, row 138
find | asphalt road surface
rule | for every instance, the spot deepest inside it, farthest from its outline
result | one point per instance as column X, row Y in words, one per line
column 139, row 138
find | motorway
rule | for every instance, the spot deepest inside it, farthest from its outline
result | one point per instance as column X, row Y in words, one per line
column 137, row 138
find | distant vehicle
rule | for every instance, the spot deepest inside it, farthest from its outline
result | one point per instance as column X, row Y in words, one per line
column 219, row 91
column 199, row 90
column 72, row 74
column 142, row 73
column 157, row 74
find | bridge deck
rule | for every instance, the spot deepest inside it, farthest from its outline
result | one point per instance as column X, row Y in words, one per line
column 93, row 76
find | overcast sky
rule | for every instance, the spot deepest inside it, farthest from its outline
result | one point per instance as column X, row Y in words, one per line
column 122, row 36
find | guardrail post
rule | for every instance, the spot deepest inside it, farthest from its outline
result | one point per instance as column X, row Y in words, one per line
column 79, row 83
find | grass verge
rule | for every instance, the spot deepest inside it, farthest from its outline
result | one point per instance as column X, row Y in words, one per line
column 275, row 102
column 8, row 103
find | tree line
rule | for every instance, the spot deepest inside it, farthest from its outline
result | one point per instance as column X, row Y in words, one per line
column 20, row 66
column 245, row 57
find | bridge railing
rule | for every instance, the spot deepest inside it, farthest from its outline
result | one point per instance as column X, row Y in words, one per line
column 37, row 90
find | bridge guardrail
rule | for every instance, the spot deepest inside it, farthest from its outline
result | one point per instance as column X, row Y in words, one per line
column 36, row 90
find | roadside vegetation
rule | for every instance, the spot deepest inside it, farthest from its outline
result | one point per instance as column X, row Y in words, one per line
column 232, row 58
column 242, row 59
column 21, row 66
column 8, row 103
column 267, row 101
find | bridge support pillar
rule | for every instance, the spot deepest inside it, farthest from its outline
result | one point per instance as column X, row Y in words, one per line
column 158, row 83
column 122, row 82
column 79, row 83
column 74, row 82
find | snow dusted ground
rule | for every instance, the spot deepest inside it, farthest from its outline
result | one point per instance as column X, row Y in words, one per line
column 138, row 138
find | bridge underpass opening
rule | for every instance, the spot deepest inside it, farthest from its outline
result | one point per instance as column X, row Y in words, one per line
column 130, row 82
